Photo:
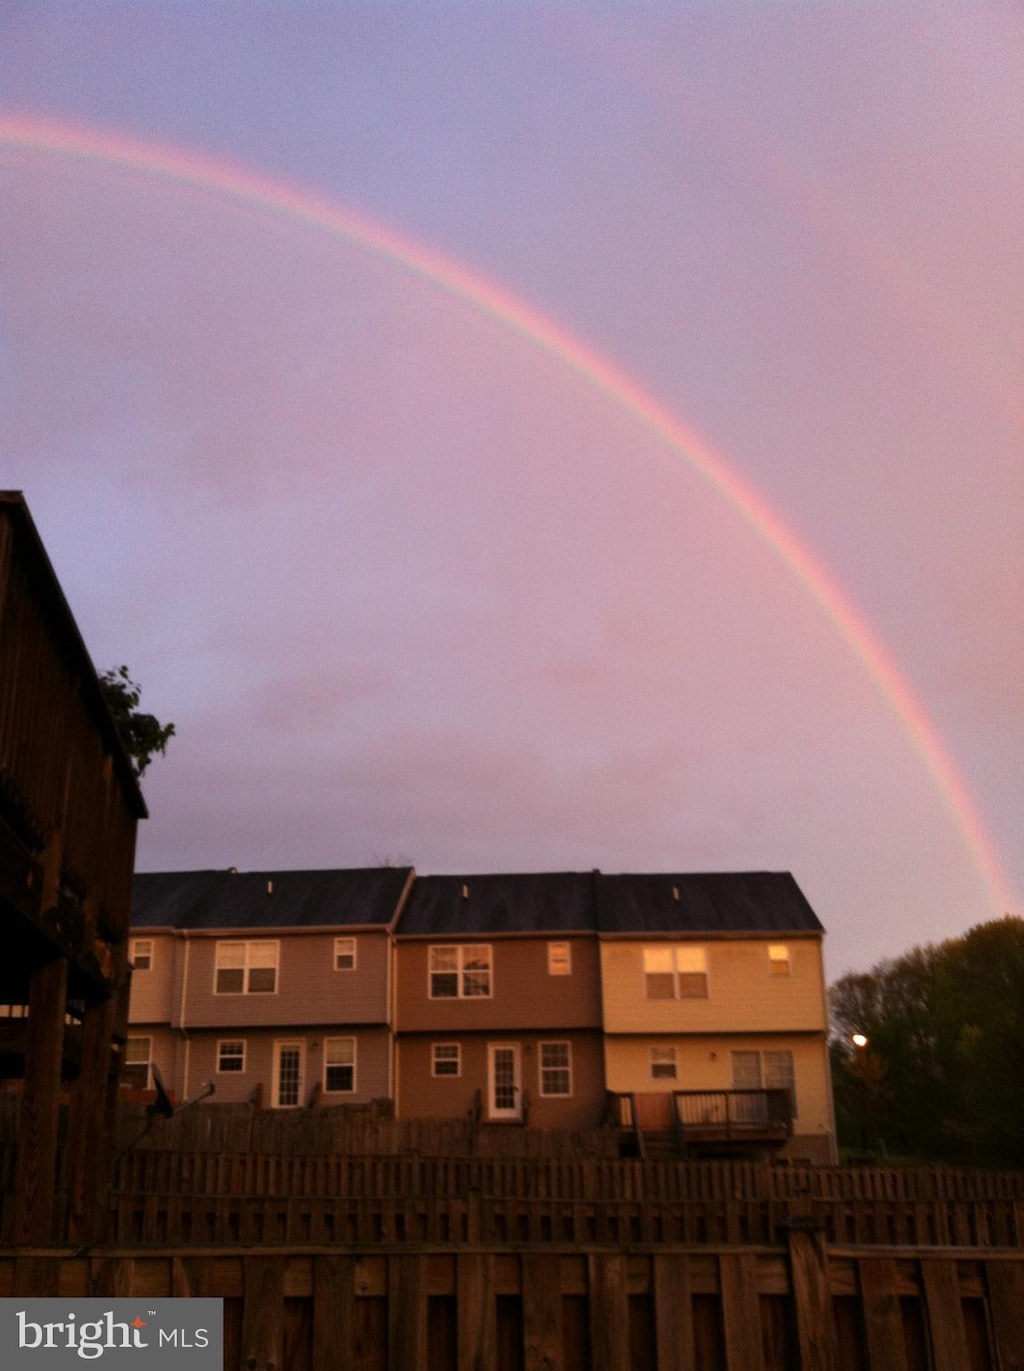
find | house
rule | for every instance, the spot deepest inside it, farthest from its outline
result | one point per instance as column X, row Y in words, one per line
column 694, row 1005
column 275, row 986
column 714, row 1010
column 69, row 806
column 498, row 1000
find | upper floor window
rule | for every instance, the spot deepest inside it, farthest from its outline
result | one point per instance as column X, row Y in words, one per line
column 778, row 959
column 339, row 1066
column 460, row 972
column 447, row 1059
column 559, row 959
column 142, row 953
column 344, row 954
column 555, row 1069
column 246, row 968
column 231, row 1055
column 676, row 973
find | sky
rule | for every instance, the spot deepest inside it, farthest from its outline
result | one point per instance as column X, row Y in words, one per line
column 539, row 436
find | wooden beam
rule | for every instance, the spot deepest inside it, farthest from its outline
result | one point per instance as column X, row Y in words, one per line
column 883, row 1320
column 609, row 1312
column 673, row 1312
column 808, row 1262
column 263, row 1313
column 333, row 1322
column 35, row 1179
column 407, row 1313
column 542, row 1313
column 944, row 1311
column 741, row 1312
column 1006, row 1302
column 477, row 1323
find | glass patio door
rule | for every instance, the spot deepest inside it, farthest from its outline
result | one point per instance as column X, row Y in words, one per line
column 504, row 1091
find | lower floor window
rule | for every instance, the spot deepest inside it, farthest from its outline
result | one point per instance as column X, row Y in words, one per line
column 446, row 1059
column 138, row 1053
column 663, row 1063
column 339, row 1066
column 231, row 1055
column 555, row 1069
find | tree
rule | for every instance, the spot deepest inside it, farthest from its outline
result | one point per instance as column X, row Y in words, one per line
column 941, row 1073
column 142, row 735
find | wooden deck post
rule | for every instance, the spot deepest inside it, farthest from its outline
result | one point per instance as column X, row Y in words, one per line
column 808, row 1264
column 40, row 1102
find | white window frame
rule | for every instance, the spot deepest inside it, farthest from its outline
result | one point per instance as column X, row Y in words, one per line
column 328, row 1042
column 560, row 1068
column 344, row 947
column 435, row 1060
column 137, row 945
column 134, row 1039
column 232, row 1070
column 246, row 967
column 677, row 967
column 779, row 960
column 457, row 967
column 560, row 959
column 664, row 1064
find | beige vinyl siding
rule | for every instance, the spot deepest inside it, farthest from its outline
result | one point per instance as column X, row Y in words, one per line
column 423, row 1095
column 309, row 989
column 371, row 1075
column 742, row 993
column 152, row 992
column 524, row 994
column 705, row 1063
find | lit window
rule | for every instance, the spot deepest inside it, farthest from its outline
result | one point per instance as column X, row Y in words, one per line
column 778, row 959
column 231, row 1055
column 460, row 972
column 555, row 1069
column 559, row 959
column 663, row 1063
column 246, row 968
column 339, row 1066
column 447, row 1059
column 344, row 954
column 676, row 973
column 142, row 954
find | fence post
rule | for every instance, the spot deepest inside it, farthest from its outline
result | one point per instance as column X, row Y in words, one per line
column 808, row 1265
column 263, row 1313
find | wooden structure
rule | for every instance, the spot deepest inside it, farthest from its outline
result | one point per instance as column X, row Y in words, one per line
column 798, row 1304
column 69, row 804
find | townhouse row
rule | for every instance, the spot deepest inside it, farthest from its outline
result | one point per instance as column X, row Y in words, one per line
column 526, row 998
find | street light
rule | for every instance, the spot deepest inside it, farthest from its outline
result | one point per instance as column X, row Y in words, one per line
column 859, row 1040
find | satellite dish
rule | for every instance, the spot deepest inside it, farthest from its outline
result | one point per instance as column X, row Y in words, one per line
column 162, row 1105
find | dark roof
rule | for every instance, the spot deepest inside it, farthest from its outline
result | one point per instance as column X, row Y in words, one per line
column 537, row 902
column 267, row 899
column 719, row 902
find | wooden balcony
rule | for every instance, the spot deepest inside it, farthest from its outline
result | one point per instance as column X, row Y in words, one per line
column 681, row 1122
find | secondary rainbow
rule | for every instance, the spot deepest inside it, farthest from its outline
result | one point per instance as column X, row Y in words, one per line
column 272, row 197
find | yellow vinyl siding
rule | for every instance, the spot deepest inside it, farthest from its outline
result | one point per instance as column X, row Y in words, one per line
column 742, row 993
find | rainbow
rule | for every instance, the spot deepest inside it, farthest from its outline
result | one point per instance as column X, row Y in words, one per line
column 270, row 197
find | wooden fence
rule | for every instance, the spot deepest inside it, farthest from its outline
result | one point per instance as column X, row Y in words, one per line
column 246, row 1198
column 801, row 1305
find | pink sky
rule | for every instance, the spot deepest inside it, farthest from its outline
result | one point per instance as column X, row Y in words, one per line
column 410, row 587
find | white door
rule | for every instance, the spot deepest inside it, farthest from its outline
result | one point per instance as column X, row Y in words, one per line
column 288, row 1074
column 504, row 1086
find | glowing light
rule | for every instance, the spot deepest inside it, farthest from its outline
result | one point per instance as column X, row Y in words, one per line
column 275, row 198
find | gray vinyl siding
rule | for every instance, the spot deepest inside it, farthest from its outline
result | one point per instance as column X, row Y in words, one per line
column 309, row 990
column 152, row 992
column 372, row 1057
column 524, row 994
